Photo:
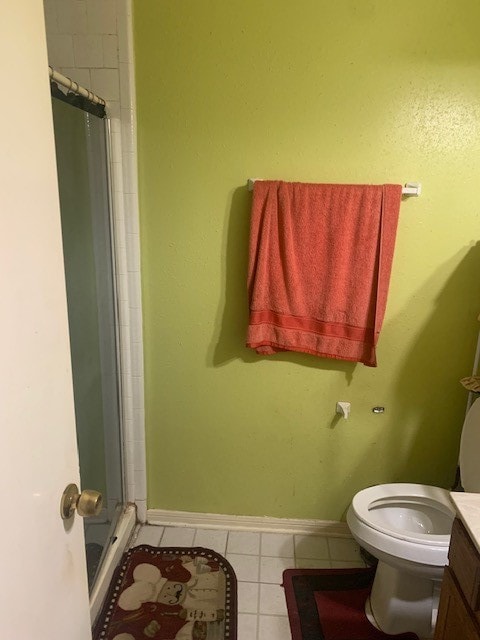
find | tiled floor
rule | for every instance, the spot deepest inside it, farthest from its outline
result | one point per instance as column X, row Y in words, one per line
column 259, row 560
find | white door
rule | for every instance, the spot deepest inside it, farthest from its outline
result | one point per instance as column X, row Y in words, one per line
column 43, row 588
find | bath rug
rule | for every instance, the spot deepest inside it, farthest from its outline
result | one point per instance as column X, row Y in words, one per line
column 328, row 604
column 170, row 593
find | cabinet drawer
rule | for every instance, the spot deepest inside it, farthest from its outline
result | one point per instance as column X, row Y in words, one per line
column 465, row 564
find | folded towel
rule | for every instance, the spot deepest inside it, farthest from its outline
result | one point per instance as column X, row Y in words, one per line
column 319, row 267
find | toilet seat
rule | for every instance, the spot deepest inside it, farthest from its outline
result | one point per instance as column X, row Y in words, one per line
column 366, row 502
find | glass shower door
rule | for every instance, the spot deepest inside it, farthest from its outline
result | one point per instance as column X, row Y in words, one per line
column 81, row 148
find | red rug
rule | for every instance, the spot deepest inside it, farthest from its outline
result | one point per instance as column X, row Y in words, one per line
column 173, row 593
column 328, row 604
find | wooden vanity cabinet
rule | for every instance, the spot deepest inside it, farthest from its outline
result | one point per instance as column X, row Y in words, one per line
column 459, row 609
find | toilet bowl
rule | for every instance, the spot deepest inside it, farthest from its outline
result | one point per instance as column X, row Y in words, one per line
column 407, row 528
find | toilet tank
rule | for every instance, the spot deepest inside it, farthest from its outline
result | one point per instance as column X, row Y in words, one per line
column 469, row 458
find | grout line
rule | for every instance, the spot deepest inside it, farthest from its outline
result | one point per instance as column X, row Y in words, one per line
column 258, row 605
column 329, row 550
column 259, row 563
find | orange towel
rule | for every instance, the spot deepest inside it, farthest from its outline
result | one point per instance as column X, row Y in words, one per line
column 319, row 267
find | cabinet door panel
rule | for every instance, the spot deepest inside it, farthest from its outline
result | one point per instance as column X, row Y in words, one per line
column 454, row 620
column 465, row 563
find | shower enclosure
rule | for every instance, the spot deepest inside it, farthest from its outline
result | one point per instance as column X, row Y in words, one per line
column 82, row 149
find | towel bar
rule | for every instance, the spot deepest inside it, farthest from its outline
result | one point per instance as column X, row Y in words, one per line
column 410, row 188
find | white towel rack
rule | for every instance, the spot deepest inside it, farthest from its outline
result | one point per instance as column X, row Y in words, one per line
column 410, row 188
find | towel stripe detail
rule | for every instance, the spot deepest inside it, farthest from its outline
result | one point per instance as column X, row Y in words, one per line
column 332, row 329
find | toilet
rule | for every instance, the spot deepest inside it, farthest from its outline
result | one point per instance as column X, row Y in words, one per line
column 407, row 528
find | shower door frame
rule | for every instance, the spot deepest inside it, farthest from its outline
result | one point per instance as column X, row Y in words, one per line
column 125, row 523
column 128, row 516
column 128, row 519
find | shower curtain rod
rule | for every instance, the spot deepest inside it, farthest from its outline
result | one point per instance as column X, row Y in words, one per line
column 410, row 188
column 71, row 85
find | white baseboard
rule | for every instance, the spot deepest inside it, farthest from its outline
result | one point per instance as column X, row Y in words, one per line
column 164, row 517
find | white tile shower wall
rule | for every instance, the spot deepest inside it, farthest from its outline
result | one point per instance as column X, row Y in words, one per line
column 91, row 41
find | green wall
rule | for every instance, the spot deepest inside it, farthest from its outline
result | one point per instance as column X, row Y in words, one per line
column 347, row 91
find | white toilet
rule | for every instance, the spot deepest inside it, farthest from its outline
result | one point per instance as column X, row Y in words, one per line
column 407, row 527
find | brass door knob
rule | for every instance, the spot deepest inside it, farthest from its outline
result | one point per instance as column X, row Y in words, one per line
column 88, row 503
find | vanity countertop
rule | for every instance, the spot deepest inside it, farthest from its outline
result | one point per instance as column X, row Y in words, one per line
column 468, row 510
